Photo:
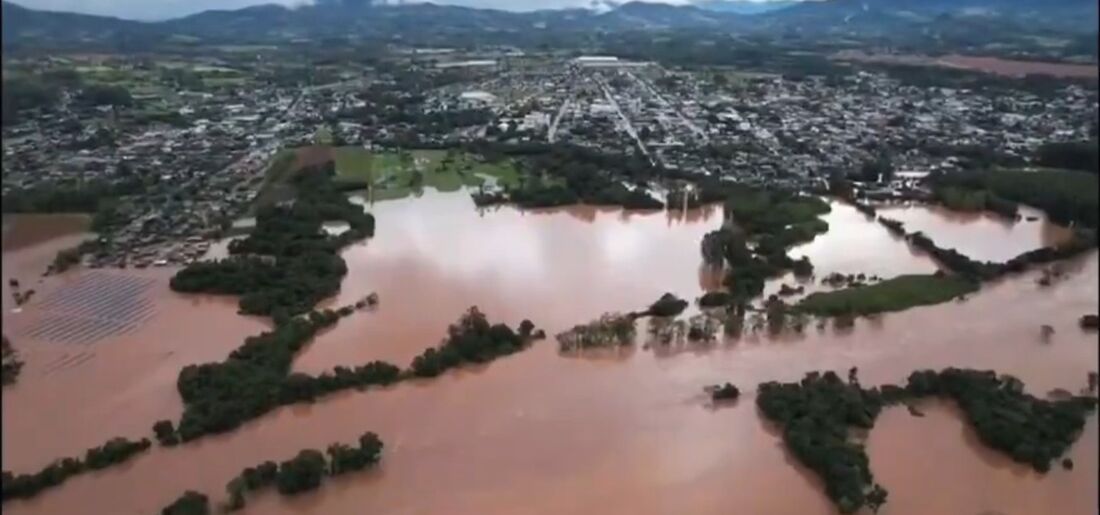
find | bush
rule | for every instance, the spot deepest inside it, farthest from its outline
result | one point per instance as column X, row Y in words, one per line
column 724, row 392
column 165, row 433
column 668, row 305
column 715, row 299
column 190, row 503
column 302, row 473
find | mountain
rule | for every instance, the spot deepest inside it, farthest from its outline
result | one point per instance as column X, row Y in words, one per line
column 955, row 21
column 30, row 25
column 743, row 6
column 889, row 16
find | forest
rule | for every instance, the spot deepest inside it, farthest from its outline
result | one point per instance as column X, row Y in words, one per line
column 817, row 414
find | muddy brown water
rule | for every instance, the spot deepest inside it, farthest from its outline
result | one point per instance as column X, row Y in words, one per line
column 982, row 235
column 539, row 433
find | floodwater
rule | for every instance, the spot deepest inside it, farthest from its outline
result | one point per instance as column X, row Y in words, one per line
column 539, row 433
column 854, row 244
column 982, row 235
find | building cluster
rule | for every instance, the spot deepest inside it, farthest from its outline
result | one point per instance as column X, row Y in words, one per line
column 179, row 184
column 199, row 175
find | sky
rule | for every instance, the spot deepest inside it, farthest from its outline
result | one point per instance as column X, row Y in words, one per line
column 163, row 9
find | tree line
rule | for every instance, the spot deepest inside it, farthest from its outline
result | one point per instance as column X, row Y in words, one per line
column 1066, row 196
column 815, row 416
column 114, row 451
column 473, row 340
column 303, row 473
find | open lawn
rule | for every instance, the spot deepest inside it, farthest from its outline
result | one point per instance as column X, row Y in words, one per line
column 396, row 174
column 897, row 294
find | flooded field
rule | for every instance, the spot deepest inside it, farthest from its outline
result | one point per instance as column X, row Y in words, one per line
column 993, row 65
column 984, row 235
column 539, row 433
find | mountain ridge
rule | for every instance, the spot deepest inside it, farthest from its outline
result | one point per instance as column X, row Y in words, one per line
column 335, row 18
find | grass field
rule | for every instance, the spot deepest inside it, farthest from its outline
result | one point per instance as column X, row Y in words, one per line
column 396, row 175
column 897, row 294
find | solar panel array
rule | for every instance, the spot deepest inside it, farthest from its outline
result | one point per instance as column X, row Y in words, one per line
column 93, row 307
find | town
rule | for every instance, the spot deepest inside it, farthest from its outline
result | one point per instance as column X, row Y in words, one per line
column 185, row 147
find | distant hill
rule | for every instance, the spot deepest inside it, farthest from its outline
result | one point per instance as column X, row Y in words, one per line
column 743, row 6
column 428, row 23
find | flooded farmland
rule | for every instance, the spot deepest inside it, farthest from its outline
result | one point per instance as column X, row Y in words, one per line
column 537, row 433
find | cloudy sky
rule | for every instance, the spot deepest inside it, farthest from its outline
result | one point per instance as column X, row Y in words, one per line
column 161, row 9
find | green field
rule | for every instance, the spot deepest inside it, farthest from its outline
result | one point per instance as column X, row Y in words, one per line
column 897, row 294
column 395, row 174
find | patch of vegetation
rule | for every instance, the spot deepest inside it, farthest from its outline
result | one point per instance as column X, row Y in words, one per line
column 668, row 305
column 1065, row 195
column 473, row 340
column 1070, row 155
column 190, row 503
column 256, row 378
column 562, row 175
column 775, row 220
column 610, row 330
column 1028, row 429
column 896, row 294
column 23, row 486
column 817, row 414
column 287, row 263
column 962, row 199
column 715, row 299
column 1083, row 240
column 306, row 471
column 65, row 197
column 1089, row 322
column 724, row 392
column 11, row 365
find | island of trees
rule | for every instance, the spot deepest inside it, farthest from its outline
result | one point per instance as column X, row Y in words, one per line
column 817, row 413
